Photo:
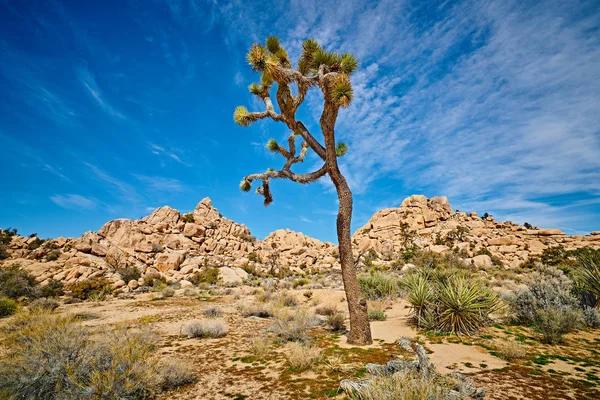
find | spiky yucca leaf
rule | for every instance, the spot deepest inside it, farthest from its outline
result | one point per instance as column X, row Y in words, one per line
column 255, row 88
column 322, row 57
column 589, row 275
column 310, row 45
column 348, row 63
column 341, row 149
column 342, row 91
column 273, row 44
column 257, row 57
column 419, row 292
column 283, row 58
column 266, row 80
column 245, row 185
column 240, row 116
column 272, row 145
column 465, row 305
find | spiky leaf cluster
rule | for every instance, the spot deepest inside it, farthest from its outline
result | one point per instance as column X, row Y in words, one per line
column 255, row 89
column 240, row 116
column 245, row 185
column 341, row 149
column 273, row 44
column 348, row 63
column 257, row 57
column 342, row 91
column 266, row 80
column 272, row 145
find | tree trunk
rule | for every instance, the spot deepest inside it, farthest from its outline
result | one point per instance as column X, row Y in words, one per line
column 360, row 329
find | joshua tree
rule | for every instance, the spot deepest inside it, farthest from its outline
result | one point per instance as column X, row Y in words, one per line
column 331, row 73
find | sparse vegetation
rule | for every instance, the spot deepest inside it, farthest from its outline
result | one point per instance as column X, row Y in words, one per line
column 97, row 288
column 213, row 312
column 206, row 329
column 337, row 321
column 7, row 307
column 129, row 273
column 377, row 315
column 259, row 346
column 511, row 350
column 293, row 325
column 208, row 276
column 379, row 285
column 301, row 357
column 15, row 282
column 46, row 304
column 54, row 357
column 410, row 386
column 187, row 217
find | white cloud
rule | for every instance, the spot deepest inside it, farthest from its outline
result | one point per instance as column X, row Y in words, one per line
column 88, row 80
column 481, row 100
column 161, row 184
column 170, row 153
column 74, row 201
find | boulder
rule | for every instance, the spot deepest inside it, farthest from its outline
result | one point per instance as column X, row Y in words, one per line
column 482, row 260
column 229, row 277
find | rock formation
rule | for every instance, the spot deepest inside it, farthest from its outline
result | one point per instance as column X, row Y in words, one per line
column 177, row 246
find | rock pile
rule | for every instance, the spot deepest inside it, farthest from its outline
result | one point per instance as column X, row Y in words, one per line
column 177, row 246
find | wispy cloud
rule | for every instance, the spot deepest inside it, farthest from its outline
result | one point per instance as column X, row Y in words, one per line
column 169, row 153
column 88, row 80
column 74, row 202
column 306, row 220
column 161, row 184
column 479, row 99
column 122, row 188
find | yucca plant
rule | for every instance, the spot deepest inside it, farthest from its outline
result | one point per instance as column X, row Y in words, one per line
column 589, row 275
column 419, row 293
column 465, row 305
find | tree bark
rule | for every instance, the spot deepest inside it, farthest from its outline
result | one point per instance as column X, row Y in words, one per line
column 360, row 329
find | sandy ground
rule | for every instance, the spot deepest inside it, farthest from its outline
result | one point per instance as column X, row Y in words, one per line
column 226, row 370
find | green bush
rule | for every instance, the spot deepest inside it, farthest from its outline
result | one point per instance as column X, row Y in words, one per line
column 37, row 242
column 45, row 304
column 554, row 323
column 376, row 315
column 300, row 282
column 7, row 307
column 54, row 357
column 98, row 287
column 5, row 239
column 187, row 217
column 591, row 317
column 208, row 276
column 429, row 259
column 588, row 274
column 155, row 281
column 52, row 289
column 53, row 255
column 379, row 285
column 15, row 282
column 449, row 301
column 129, row 273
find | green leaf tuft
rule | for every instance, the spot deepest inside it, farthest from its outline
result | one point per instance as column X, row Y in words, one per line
column 245, row 185
column 255, row 88
column 348, row 63
column 240, row 116
column 342, row 92
column 273, row 44
column 257, row 57
column 272, row 145
column 266, row 80
column 341, row 149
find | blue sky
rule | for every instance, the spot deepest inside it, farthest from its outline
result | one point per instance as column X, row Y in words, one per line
column 111, row 109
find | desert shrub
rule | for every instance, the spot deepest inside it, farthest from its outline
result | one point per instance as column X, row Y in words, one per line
column 7, row 307
column 379, row 285
column 35, row 243
column 54, row 357
column 429, row 259
column 510, row 350
column 4, row 252
column 155, row 281
column 206, row 329
column 253, row 257
column 173, row 374
column 47, row 304
column 293, row 325
column 337, row 321
column 255, row 310
column 53, row 255
column 208, row 276
column 408, row 386
column 167, row 292
column 449, row 301
column 129, row 273
column 93, row 288
column 300, row 282
column 327, row 309
column 259, row 346
column 187, row 217
column 213, row 312
column 376, row 315
column 553, row 256
column 485, row 252
column 15, row 282
column 591, row 317
column 285, row 299
column 301, row 357
column 308, row 294
column 554, row 323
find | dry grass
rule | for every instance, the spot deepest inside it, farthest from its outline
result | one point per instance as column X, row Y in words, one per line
column 510, row 350
column 335, row 363
column 260, row 310
column 293, row 325
column 260, row 346
column 337, row 321
column 301, row 357
column 206, row 329
column 402, row 386
column 213, row 312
